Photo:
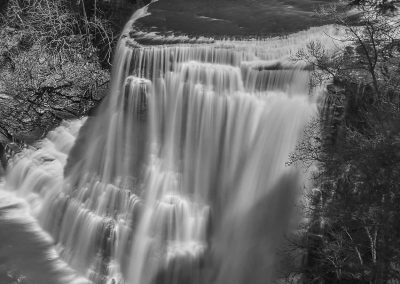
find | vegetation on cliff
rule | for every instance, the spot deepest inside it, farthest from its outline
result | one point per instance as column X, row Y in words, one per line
column 353, row 231
column 50, row 68
column 55, row 58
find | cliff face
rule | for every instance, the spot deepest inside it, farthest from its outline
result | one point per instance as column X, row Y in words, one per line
column 231, row 17
column 49, row 69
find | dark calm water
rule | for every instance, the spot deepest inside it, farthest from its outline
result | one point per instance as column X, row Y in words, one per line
column 232, row 17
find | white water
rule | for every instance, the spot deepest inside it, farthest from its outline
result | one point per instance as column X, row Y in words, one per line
column 181, row 177
column 25, row 248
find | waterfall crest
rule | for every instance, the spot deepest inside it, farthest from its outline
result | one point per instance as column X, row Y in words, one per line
column 181, row 176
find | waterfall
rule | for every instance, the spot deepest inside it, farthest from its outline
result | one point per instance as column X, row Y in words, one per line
column 181, row 176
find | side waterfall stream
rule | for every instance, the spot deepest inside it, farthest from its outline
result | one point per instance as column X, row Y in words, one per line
column 181, row 176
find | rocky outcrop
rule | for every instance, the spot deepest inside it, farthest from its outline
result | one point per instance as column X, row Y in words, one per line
column 38, row 88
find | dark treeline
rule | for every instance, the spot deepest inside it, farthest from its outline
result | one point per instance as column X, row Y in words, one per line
column 353, row 229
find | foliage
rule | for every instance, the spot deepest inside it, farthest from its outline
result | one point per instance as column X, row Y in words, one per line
column 50, row 69
column 353, row 234
column 382, row 6
column 61, row 26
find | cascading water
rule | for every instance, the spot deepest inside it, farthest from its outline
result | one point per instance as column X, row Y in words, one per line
column 181, row 177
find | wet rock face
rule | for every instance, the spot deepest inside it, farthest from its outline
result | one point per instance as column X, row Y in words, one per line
column 231, row 17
